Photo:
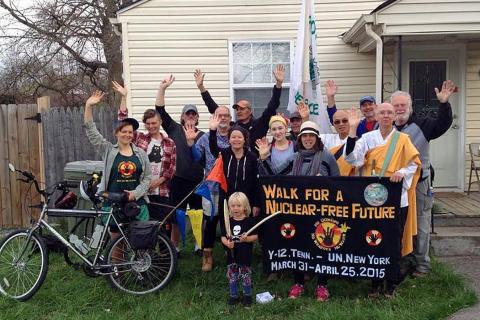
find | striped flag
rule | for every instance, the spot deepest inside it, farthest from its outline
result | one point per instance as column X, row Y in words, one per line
column 305, row 74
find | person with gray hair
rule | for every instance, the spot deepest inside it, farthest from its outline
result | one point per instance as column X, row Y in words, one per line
column 421, row 131
column 202, row 154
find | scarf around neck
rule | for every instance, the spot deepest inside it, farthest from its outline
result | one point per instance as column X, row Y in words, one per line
column 314, row 166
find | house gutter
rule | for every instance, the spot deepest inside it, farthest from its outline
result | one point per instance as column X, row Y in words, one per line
column 379, row 61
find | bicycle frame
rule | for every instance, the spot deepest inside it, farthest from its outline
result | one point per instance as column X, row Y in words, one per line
column 42, row 223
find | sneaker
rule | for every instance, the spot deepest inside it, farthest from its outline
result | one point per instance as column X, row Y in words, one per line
column 419, row 274
column 272, row 277
column 198, row 252
column 232, row 300
column 390, row 291
column 247, row 301
column 295, row 291
column 375, row 290
column 321, row 293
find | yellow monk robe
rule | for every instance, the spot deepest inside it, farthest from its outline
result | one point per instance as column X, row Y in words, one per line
column 346, row 169
column 405, row 152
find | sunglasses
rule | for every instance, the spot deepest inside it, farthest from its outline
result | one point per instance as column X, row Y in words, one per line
column 340, row 121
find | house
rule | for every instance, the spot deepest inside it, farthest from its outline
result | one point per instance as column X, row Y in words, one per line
column 367, row 47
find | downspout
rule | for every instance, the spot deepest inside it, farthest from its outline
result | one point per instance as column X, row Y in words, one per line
column 379, row 62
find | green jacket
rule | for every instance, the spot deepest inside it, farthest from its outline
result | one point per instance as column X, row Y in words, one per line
column 110, row 151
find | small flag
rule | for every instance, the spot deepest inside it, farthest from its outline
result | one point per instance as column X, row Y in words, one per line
column 181, row 224
column 196, row 220
column 217, row 174
column 305, row 74
column 203, row 191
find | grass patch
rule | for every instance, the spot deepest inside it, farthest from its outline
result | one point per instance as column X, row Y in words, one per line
column 70, row 294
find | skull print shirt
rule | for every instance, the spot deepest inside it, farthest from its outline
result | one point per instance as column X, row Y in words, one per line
column 242, row 251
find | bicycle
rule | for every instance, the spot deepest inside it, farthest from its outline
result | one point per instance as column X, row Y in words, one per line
column 24, row 256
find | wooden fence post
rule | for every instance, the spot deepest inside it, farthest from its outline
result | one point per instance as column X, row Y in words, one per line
column 43, row 104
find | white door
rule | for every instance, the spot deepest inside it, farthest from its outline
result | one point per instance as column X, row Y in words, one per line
column 423, row 69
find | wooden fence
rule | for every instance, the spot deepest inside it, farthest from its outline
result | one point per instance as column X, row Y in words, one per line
column 65, row 140
column 42, row 148
column 20, row 145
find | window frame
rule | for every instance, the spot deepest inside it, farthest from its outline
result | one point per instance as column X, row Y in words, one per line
column 258, row 85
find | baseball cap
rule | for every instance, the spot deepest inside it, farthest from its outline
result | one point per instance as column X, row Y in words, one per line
column 130, row 121
column 309, row 127
column 235, row 106
column 367, row 98
column 189, row 107
column 295, row 115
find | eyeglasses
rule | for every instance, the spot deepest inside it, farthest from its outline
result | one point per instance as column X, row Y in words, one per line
column 223, row 115
column 340, row 121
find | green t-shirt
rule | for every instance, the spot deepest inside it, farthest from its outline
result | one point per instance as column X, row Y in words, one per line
column 125, row 174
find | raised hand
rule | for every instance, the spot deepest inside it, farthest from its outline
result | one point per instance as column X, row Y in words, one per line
column 122, row 90
column 304, row 110
column 199, row 77
column 167, row 82
column 263, row 148
column 448, row 87
column 190, row 133
column 95, row 98
column 330, row 88
column 214, row 121
column 354, row 120
column 279, row 74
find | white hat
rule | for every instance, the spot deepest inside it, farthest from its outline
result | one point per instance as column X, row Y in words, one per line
column 309, row 127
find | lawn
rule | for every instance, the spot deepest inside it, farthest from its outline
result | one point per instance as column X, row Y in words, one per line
column 70, row 294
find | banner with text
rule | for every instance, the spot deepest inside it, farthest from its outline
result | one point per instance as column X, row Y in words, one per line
column 333, row 226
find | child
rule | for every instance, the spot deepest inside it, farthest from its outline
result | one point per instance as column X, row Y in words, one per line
column 239, row 248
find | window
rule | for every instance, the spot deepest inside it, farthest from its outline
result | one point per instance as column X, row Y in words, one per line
column 251, row 71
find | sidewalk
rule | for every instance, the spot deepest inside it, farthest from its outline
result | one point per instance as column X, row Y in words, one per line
column 469, row 266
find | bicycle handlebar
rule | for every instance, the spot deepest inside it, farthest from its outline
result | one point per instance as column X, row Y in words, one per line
column 30, row 177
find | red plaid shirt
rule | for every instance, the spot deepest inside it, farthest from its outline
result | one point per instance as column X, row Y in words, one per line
column 169, row 158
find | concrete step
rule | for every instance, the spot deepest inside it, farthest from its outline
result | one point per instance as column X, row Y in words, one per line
column 455, row 220
column 456, row 241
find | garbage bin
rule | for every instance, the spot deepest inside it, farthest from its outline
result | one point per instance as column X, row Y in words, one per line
column 81, row 170
column 75, row 172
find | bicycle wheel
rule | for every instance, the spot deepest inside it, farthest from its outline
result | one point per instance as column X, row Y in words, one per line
column 21, row 276
column 141, row 271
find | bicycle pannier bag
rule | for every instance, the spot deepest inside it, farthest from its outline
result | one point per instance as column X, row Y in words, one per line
column 142, row 235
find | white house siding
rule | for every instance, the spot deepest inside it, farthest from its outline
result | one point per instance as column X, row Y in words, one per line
column 166, row 36
column 430, row 17
column 472, row 101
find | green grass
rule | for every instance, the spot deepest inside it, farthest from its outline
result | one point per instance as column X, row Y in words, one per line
column 70, row 294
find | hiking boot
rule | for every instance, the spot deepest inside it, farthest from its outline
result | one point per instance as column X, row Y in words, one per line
column 295, row 291
column 207, row 261
column 321, row 293
column 232, row 300
column 247, row 301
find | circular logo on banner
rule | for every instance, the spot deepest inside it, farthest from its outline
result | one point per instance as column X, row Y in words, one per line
column 374, row 238
column 287, row 230
column 329, row 234
column 375, row 194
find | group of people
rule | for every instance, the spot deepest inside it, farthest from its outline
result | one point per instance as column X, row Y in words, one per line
column 160, row 171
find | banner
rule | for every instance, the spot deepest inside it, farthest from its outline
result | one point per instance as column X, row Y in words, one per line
column 305, row 74
column 333, row 226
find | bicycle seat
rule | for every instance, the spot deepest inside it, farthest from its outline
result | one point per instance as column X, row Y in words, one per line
column 115, row 197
